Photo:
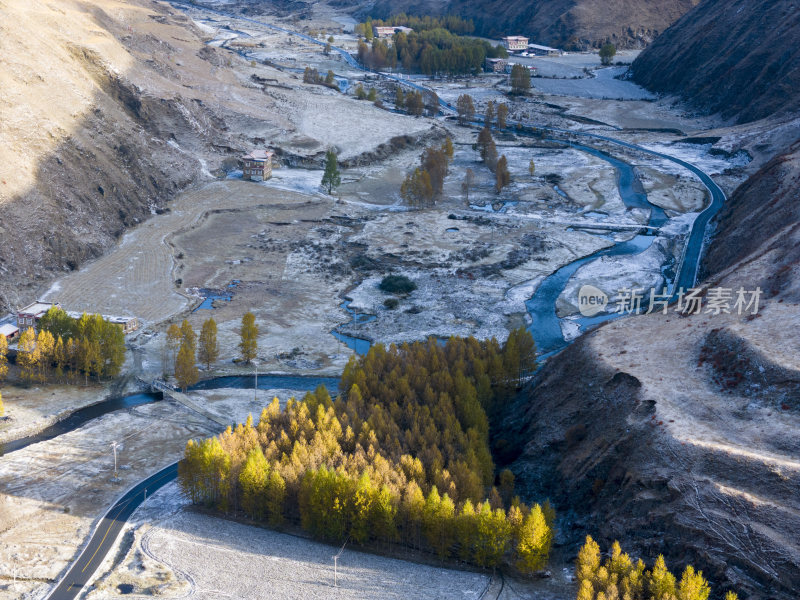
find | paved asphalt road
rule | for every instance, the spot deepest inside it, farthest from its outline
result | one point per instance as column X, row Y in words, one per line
column 107, row 531
column 106, row 534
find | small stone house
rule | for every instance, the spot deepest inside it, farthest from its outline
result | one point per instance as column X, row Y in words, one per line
column 495, row 65
column 515, row 43
column 257, row 166
column 30, row 315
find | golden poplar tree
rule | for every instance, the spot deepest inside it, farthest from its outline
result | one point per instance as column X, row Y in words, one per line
column 60, row 358
column 46, row 345
column 27, row 354
column 185, row 370
column 73, row 357
column 488, row 116
column 506, row 485
column 3, row 357
column 275, row 497
column 90, row 360
column 447, row 147
column 249, row 337
column 660, row 582
column 502, row 114
column 465, row 530
column 693, row 585
column 502, row 175
column 588, row 561
column 188, row 336
column 535, row 538
column 253, row 482
column 173, row 341
column 586, row 590
column 208, row 352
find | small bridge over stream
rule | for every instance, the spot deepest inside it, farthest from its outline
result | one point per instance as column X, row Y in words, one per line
column 158, row 385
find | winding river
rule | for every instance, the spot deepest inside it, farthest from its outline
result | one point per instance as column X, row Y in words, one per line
column 79, row 418
column 546, row 325
column 83, row 415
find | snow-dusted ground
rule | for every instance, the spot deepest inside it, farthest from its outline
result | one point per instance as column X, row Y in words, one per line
column 305, row 181
column 236, row 404
column 644, row 272
column 28, row 410
column 602, row 85
column 52, row 492
column 699, row 155
column 215, row 558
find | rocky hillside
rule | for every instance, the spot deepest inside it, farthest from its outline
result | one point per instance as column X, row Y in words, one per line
column 738, row 58
column 105, row 117
column 573, row 24
column 677, row 434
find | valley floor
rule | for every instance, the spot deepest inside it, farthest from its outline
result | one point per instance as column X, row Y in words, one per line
column 291, row 254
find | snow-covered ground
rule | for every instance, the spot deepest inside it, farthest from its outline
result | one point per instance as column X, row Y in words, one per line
column 305, row 181
column 603, row 86
column 179, row 551
column 29, row 410
column 700, row 155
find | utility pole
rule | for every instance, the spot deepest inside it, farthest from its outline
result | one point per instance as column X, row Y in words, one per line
column 255, row 387
column 114, row 446
column 335, row 558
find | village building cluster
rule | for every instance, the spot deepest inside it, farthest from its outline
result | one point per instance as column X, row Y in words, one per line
column 30, row 315
column 518, row 45
column 388, row 32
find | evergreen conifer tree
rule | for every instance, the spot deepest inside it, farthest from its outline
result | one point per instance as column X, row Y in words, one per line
column 331, row 178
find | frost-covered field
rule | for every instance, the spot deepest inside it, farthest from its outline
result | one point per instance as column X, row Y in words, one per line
column 211, row 558
column 699, row 155
column 602, row 85
column 52, row 492
column 28, row 410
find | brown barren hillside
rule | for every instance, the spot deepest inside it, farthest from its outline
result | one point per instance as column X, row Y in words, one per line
column 738, row 58
column 105, row 116
column 678, row 435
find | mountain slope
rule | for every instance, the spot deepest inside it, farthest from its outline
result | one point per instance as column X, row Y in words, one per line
column 677, row 434
column 105, row 117
column 738, row 58
column 573, row 24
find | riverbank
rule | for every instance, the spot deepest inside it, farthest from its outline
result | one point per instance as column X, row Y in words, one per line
column 29, row 410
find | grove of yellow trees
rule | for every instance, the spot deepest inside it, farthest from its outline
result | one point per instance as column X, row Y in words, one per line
column 65, row 347
column 620, row 578
column 400, row 456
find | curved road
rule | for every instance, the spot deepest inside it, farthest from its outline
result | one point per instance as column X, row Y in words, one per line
column 106, row 532
column 104, row 536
